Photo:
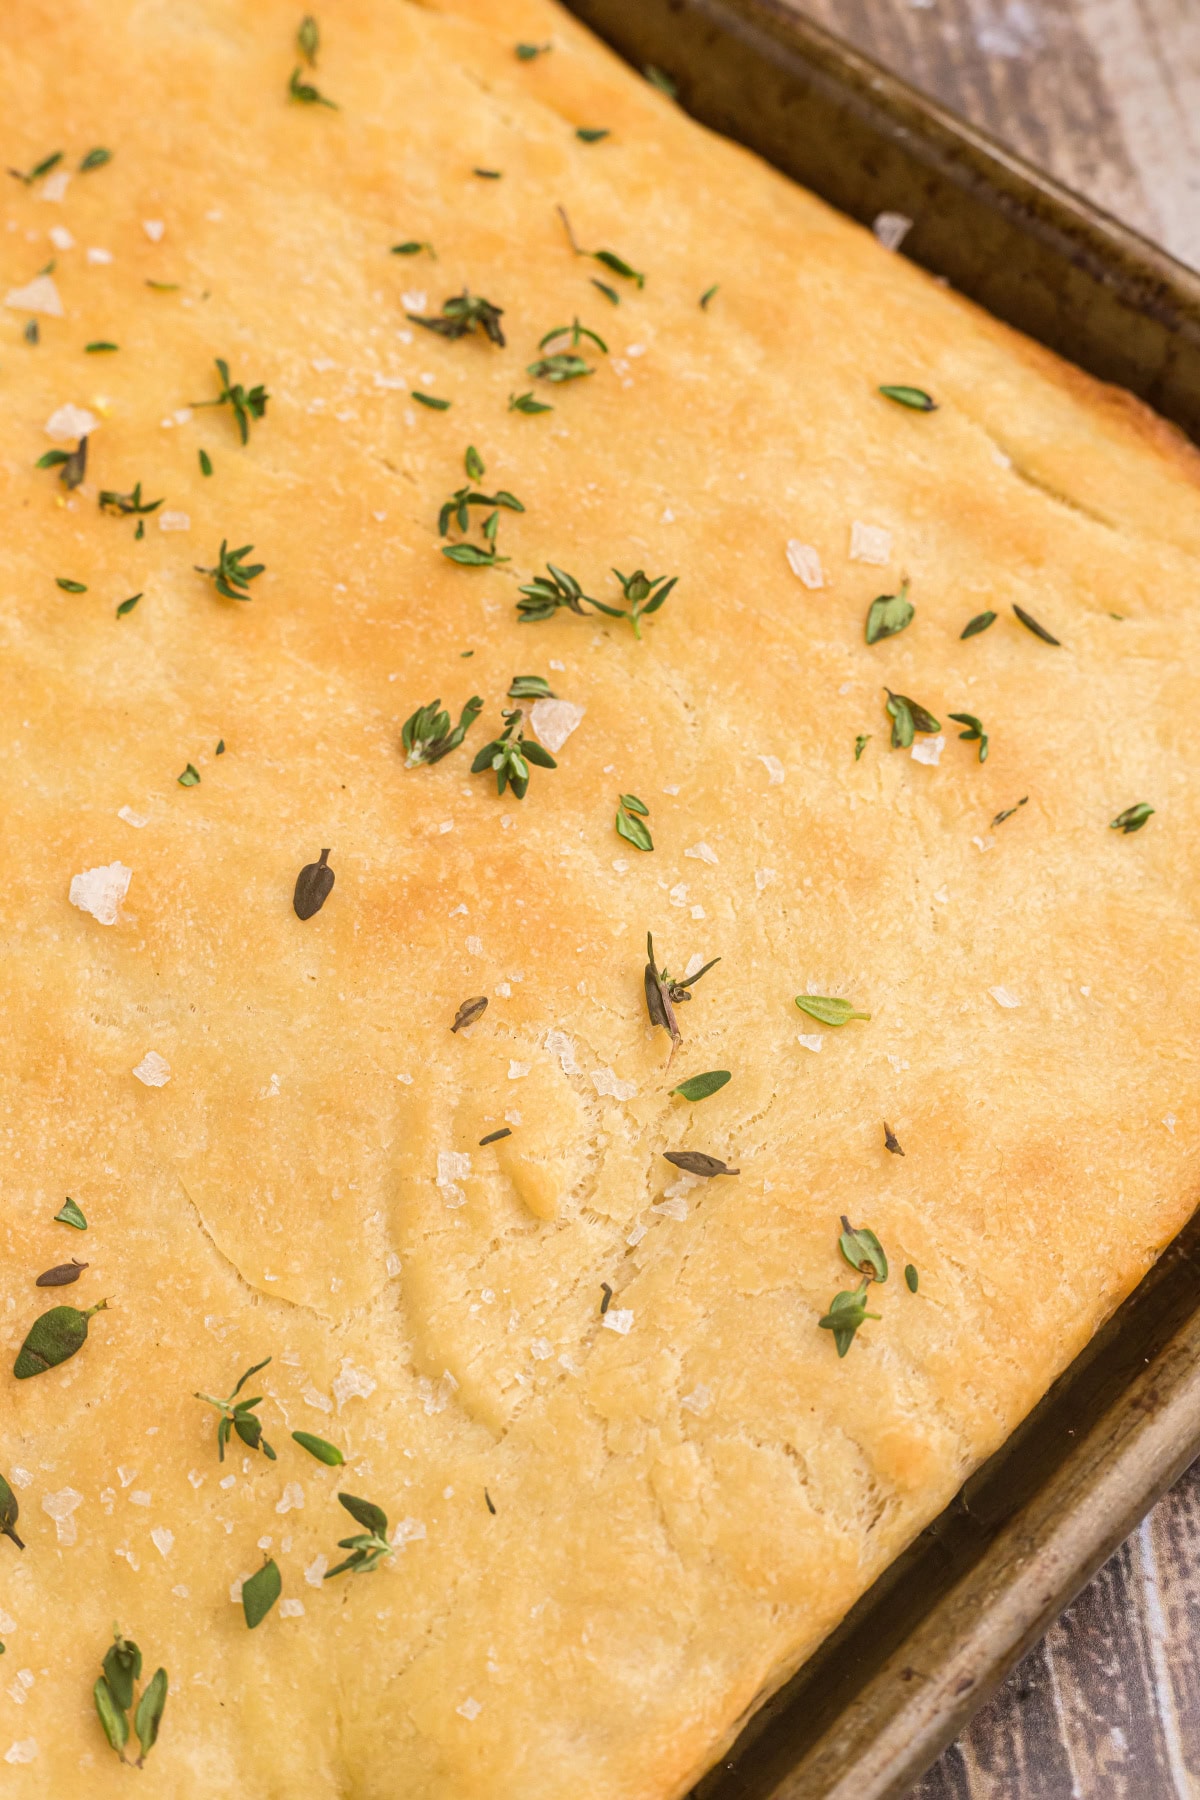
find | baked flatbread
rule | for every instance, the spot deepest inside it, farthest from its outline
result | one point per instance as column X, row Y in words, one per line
column 629, row 1481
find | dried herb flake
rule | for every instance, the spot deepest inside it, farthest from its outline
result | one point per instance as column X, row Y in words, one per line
column 314, row 884
column 697, row 1162
column 469, row 1012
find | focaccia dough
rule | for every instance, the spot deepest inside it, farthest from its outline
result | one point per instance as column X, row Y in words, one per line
column 685, row 1507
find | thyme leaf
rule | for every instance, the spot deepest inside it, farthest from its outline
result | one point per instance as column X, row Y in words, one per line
column 69, row 1213
column 72, row 467
column 95, row 159
column 127, row 505
column 847, row 1312
column 564, row 365
column 911, row 1278
column 1031, row 624
column 53, row 1338
column 493, row 1137
column 708, row 294
column 664, row 992
column 629, row 826
column 830, row 1009
column 62, row 1274
column 527, row 52
column 314, row 884
column 610, row 293
column 308, row 40
column 591, row 134
column 426, row 734
column 889, row 614
column 260, row 1593
column 10, row 1512
column 1132, row 819
column 890, row 1140
column 127, row 606
column 231, row 575
column 68, row 586
column 239, row 1415
column 370, row 1546
column 525, row 403
column 699, row 1087
column 247, row 403
column 511, row 754
column 413, row 247
column 697, row 1162
column 908, row 716
column 530, row 687
column 542, row 598
column 863, row 1251
column 432, row 401
column 663, row 82
column 1009, row 811
column 205, row 463
column 463, row 314
column 29, row 176
column 974, row 732
column 860, row 743
column 914, row 397
column 113, row 1696
column 979, row 623
column 469, row 1012
column 190, row 777
column 307, row 94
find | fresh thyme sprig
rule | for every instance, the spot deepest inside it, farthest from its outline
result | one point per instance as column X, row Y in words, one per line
column 847, row 1312
column 575, row 331
column 511, row 754
column 29, row 176
column 564, row 365
column 542, row 598
column 525, row 403
column 427, row 737
column 456, row 510
column 908, row 716
column 231, row 575
column 1132, row 819
column 247, row 403
column 239, row 1415
column 113, row 1697
column 71, row 465
column 128, row 504
column 630, row 813
column 608, row 258
column 530, row 687
column 664, row 992
column 307, row 94
column 461, row 315
column 974, row 732
column 368, row 1547
column 644, row 593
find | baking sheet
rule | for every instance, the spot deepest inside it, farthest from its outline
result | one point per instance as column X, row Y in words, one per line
column 885, row 1694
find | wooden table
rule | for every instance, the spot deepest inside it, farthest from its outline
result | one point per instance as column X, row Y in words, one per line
column 1106, row 95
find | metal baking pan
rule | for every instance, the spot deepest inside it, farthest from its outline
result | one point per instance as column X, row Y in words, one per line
column 933, row 1638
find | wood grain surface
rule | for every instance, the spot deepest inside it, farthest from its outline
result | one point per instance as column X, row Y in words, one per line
column 1106, row 95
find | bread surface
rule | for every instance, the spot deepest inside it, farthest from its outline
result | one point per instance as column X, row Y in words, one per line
column 682, row 1509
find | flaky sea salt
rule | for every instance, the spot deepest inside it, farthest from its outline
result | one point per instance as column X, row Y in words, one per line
column 61, row 238
column 314, row 1572
column 618, row 1319
column 702, row 853
column 37, row 296
column 869, row 543
column 694, row 965
column 518, row 1070
column 162, row 1539
column 698, row 1401
column 436, row 1396
column 606, row 1082
column 351, row 1384
column 775, row 769
column 137, row 820
column 292, row 1497
column 153, row 229
column 470, row 1709
column 560, row 1045
column 291, row 1609
column 554, row 721
column 671, row 1209
column 100, row 891
column 805, row 564
column 23, row 1751
column 409, row 1531
column 453, row 1166
column 174, row 521
column 891, row 229
column 61, row 1508
column 98, row 256
column 810, row 1040
column 763, row 878
column 1004, row 996
column 928, row 750
column 67, row 422
column 153, row 1070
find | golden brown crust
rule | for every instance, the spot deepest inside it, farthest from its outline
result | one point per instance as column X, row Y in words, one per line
column 682, row 1511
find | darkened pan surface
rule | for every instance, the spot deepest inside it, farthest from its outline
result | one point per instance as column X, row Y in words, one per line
column 934, row 1637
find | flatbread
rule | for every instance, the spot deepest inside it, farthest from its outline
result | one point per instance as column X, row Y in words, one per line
column 631, row 1482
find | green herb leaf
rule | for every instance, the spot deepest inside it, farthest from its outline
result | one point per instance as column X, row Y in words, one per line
column 979, row 623
column 247, row 403
column 590, row 134
column 413, row 247
column 890, row 1140
column 260, row 1593
column 53, row 1338
column 470, row 556
column 530, row 687
column 488, row 174
column 912, row 1279
column 542, row 598
column 847, row 1312
column 656, row 77
column 189, row 778
column 699, row 1087
column 431, row 401
column 913, row 397
column 575, row 331
column 32, row 333
column 71, row 467
column 69, row 587
column 1132, row 819
column 51, row 459
column 630, row 827
column 863, row 1251
column 164, row 287
column 618, row 265
column 610, row 293
column 525, row 403
column 238, row 1415
column 974, row 733
column 860, row 744
column 707, row 295
column 426, row 734
column 473, row 464
column 99, row 347
column 462, row 315
column 325, row 1452
column 830, row 1009
column 562, row 366
column 122, row 1667
column 220, row 749
column 368, row 1549
column 527, row 52
column 29, row 176
column 70, row 1214
column 1009, row 811
column 510, row 755
column 127, row 505
column 205, row 462
column 231, row 576
column 95, row 159
column 111, row 1716
column 1031, row 624
column 150, row 1708
column 314, row 884
column 664, row 992
column 908, row 716
column 10, row 1512
column 127, row 606
column 889, row 614
column 308, row 40
column 306, row 93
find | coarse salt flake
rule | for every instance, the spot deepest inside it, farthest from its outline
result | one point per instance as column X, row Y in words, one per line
column 453, row 1166
column 153, row 229
column 153, row 1070
column 98, row 255
column 810, row 1040
column 694, row 965
column 774, row 768
column 929, row 750
column 100, row 891
column 352, row 1384
column 605, row 1081
column 414, row 300
column 891, row 229
column 618, row 1319
column 137, row 820
column 174, row 521
column 671, row 1209
column 292, row 1498
column 37, row 296
column 554, row 721
column 541, row 1349
column 869, row 543
column 291, row 1609
column 698, row 1401
column 1004, row 996
column 314, row 1572
column 68, row 422
column 805, row 563
column 55, row 186
column 162, row 1539
column 470, row 1709
column 61, row 238
column 702, row 853
column 140, row 1497
column 560, row 1045
column 61, row 1507
column 23, row 1751
column 678, row 895
column 763, row 878
column 410, row 1531
column 517, row 1071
